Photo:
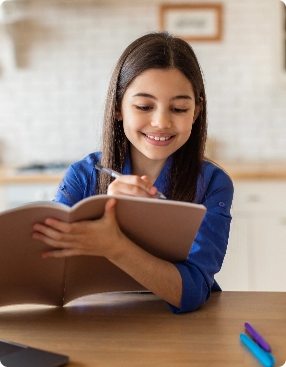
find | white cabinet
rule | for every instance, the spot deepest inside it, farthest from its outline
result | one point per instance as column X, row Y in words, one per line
column 256, row 255
column 269, row 271
column 15, row 194
column 234, row 274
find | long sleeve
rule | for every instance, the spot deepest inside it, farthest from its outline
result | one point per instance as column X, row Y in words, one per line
column 79, row 181
column 215, row 191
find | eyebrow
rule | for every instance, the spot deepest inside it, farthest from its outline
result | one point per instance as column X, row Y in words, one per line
column 183, row 96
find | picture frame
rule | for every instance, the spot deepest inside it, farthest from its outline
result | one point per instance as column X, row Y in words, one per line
column 193, row 22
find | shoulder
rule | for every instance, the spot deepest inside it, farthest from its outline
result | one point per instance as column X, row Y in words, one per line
column 83, row 169
column 79, row 180
column 87, row 163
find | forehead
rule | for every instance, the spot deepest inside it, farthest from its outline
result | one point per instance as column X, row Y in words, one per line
column 159, row 79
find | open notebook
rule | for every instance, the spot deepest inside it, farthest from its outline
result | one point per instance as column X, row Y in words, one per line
column 165, row 228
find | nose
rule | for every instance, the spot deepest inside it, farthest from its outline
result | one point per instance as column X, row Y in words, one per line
column 161, row 120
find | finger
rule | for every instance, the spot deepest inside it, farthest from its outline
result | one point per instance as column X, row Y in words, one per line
column 56, row 243
column 110, row 207
column 53, row 228
column 131, row 185
column 146, row 179
column 44, row 231
column 136, row 181
column 153, row 189
column 58, row 225
column 61, row 253
column 109, row 212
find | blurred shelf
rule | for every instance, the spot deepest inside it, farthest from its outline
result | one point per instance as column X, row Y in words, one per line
column 251, row 170
column 11, row 175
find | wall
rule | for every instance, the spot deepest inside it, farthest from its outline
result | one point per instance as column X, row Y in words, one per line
column 56, row 58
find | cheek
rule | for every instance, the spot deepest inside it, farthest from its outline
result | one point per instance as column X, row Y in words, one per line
column 131, row 123
column 130, row 129
column 185, row 134
column 185, row 130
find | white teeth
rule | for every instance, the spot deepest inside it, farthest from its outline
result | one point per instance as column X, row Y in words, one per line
column 163, row 138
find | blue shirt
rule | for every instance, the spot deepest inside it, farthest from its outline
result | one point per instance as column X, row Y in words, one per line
column 214, row 191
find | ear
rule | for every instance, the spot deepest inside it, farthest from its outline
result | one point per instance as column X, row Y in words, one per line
column 198, row 109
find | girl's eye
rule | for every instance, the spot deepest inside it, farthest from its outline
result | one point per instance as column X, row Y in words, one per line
column 180, row 110
column 144, row 108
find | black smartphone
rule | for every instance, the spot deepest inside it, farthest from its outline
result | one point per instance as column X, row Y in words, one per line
column 18, row 355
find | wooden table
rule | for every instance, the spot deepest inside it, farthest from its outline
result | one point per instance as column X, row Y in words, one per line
column 131, row 330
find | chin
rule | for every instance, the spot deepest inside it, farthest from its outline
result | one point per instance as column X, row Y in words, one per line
column 157, row 157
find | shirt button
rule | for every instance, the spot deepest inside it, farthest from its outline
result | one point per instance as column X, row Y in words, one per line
column 221, row 204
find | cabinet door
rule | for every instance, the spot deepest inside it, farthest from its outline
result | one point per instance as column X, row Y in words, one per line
column 235, row 272
column 256, row 255
column 270, row 252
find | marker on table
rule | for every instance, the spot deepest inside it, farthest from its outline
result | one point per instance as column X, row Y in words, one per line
column 115, row 174
column 265, row 358
column 257, row 337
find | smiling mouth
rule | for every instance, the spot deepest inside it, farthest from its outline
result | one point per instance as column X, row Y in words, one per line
column 159, row 138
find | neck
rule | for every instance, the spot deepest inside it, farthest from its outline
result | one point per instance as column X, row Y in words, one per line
column 143, row 166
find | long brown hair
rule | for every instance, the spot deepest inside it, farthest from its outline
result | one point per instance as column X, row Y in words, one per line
column 158, row 50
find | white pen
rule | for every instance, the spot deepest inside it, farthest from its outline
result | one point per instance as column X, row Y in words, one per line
column 115, row 174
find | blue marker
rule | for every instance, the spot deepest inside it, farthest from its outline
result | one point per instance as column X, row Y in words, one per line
column 265, row 358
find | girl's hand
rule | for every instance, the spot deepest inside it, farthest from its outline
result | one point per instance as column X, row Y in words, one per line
column 101, row 237
column 132, row 185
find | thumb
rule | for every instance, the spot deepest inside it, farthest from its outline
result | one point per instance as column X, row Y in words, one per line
column 109, row 211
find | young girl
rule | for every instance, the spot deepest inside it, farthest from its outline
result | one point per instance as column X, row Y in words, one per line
column 154, row 132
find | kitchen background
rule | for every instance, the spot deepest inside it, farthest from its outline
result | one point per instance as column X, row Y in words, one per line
column 56, row 58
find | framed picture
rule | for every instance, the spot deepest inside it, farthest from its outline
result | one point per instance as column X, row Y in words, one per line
column 192, row 22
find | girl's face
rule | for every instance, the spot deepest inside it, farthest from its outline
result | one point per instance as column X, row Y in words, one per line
column 158, row 111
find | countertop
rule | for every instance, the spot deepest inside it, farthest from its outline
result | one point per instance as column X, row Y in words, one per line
column 253, row 170
column 10, row 175
column 238, row 170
